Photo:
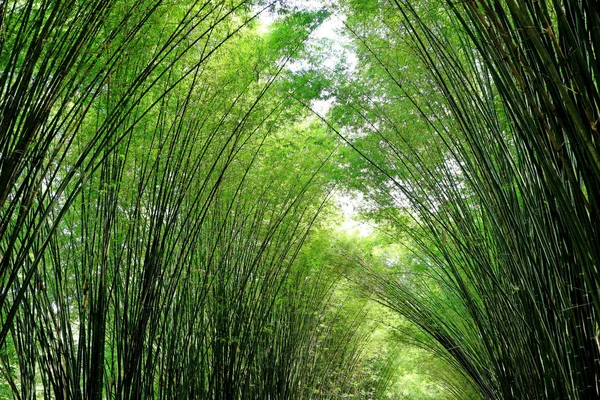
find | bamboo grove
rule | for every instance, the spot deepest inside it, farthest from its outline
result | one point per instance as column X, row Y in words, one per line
column 501, row 182
column 166, row 195
column 149, row 242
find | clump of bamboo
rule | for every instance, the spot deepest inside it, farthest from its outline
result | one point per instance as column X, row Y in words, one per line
column 149, row 243
column 508, row 219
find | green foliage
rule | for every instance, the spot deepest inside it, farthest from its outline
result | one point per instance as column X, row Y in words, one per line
column 167, row 227
column 503, row 207
column 156, row 194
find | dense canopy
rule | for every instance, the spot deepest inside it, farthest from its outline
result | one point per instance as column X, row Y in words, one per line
column 255, row 199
